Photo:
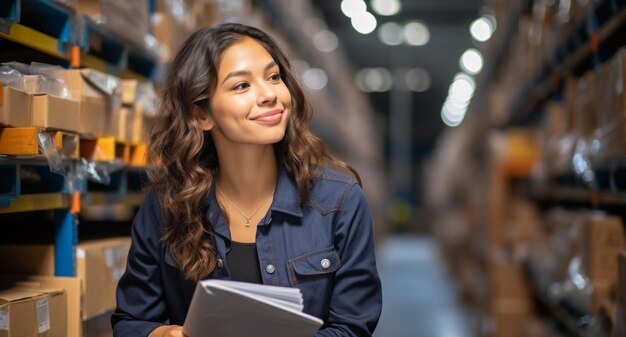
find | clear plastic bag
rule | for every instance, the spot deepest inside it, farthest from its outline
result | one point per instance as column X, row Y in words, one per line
column 11, row 77
column 55, row 161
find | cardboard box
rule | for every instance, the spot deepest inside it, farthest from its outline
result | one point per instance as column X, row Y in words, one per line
column 22, row 109
column 603, row 237
column 72, row 287
column 100, row 264
column 603, row 240
column 26, row 312
column 120, row 123
column 610, row 106
column 98, row 94
column 507, row 281
column 510, row 316
column 129, row 91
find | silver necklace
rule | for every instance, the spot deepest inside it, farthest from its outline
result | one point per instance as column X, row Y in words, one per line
column 239, row 210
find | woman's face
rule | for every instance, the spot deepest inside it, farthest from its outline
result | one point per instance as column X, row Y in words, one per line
column 251, row 104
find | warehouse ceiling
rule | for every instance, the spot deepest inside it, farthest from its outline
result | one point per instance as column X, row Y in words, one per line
column 448, row 23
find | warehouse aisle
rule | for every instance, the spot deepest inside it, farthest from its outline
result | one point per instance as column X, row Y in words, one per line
column 419, row 297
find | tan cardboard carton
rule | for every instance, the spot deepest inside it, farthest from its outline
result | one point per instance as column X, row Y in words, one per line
column 22, row 109
column 129, row 91
column 72, row 288
column 603, row 240
column 603, row 237
column 100, row 264
column 26, row 312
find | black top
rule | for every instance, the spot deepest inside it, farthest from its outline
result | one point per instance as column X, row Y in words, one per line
column 243, row 262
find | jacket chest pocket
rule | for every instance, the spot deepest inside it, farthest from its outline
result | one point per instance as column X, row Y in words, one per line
column 318, row 265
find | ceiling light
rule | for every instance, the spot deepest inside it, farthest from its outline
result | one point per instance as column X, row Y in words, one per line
column 462, row 88
column 325, row 41
column 390, row 33
column 374, row 79
column 386, row 7
column 451, row 121
column 352, row 8
column 364, row 22
column 454, row 111
column 416, row 33
column 471, row 61
column 457, row 103
column 315, row 79
column 417, row 79
column 481, row 29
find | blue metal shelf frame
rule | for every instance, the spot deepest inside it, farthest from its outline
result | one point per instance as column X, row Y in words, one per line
column 106, row 46
column 55, row 20
column 51, row 18
column 9, row 11
column 66, row 223
column 65, row 241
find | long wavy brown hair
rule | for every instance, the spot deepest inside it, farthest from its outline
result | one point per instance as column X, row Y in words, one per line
column 184, row 158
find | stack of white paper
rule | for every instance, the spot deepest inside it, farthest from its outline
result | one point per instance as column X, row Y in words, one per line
column 223, row 308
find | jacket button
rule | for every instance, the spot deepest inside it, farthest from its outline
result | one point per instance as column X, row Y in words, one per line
column 220, row 263
column 270, row 269
column 325, row 263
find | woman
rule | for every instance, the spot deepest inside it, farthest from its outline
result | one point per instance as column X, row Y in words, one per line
column 243, row 192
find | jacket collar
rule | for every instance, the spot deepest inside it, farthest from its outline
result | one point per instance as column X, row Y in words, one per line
column 286, row 196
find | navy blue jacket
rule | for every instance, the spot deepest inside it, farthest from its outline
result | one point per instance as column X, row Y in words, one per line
column 292, row 240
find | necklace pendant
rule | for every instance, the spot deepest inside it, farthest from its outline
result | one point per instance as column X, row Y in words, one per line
column 247, row 223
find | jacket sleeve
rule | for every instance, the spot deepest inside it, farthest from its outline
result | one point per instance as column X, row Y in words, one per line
column 140, row 304
column 356, row 301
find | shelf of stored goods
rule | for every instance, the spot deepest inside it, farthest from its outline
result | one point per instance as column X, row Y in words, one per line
column 578, row 195
column 103, row 50
column 75, row 40
column 586, row 42
column 27, row 183
column 53, row 195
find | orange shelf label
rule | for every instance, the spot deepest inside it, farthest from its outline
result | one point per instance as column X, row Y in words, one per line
column 75, row 57
column 75, row 203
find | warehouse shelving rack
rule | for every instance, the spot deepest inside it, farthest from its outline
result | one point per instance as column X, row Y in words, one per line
column 593, row 41
column 73, row 41
column 64, row 194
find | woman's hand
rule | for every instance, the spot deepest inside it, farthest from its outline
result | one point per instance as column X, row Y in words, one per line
column 168, row 331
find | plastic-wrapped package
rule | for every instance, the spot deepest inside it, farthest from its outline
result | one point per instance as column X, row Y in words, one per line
column 581, row 105
column 11, row 77
column 562, row 139
column 570, row 284
column 610, row 106
column 40, row 78
column 172, row 22
column 129, row 20
column 555, row 129
column 23, row 68
column 50, row 84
